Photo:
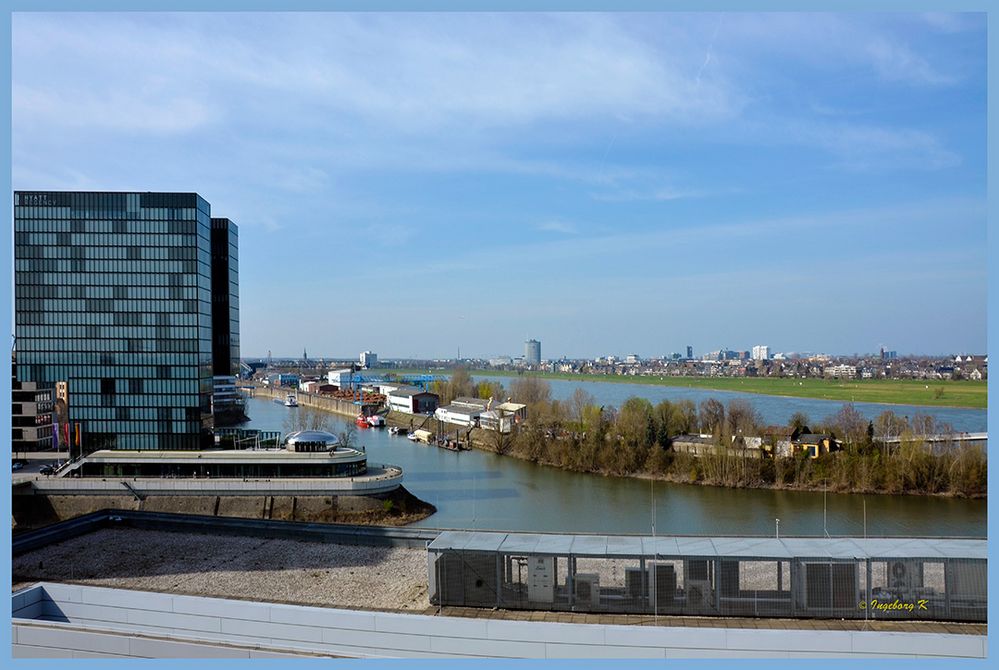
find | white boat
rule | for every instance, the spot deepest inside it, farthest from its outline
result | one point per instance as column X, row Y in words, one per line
column 412, row 436
column 376, row 421
column 395, row 430
column 291, row 401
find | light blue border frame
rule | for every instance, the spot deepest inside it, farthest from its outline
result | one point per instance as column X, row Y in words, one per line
column 451, row 5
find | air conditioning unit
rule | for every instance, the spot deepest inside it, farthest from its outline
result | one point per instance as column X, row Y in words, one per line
column 633, row 579
column 586, row 588
column 662, row 584
column 905, row 575
column 699, row 595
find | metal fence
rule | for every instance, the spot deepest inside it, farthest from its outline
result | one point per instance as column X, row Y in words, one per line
column 842, row 578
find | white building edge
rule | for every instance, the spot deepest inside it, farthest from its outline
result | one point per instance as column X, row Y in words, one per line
column 73, row 621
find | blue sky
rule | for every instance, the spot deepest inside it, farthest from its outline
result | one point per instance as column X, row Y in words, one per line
column 619, row 183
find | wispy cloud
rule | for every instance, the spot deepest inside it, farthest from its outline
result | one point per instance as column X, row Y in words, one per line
column 168, row 112
column 675, row 240
column 870, row 148
column 661, row 194
column 413, row 73
column 952, row 22
column 897, row 62
column 558, row 226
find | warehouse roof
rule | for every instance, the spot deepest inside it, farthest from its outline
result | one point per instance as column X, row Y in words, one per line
column 408, row 391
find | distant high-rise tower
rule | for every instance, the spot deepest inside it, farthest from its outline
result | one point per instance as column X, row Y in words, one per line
column 690, row 351
column 761, row 352
column 369, row 360
column 532, row 352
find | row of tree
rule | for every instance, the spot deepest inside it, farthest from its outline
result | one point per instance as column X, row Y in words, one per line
column 886, row 455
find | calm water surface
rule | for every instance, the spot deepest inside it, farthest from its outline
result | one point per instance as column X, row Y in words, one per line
column 475, row 489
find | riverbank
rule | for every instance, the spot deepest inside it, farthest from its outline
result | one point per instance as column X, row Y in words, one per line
column 733, row 471
column 928, row 393
column 836, row 473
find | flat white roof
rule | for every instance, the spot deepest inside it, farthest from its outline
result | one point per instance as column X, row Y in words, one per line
column 721, row 547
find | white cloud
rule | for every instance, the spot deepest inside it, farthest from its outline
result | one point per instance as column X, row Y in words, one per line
column 952, row 22
column 896, row 62
column 678, row 238
column 409, row 72
column 867, row 147
column 37, row 106
column 557, row 226
column 660, row 194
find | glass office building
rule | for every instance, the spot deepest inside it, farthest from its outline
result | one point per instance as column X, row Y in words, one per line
column 225, row 297
column 113, row 295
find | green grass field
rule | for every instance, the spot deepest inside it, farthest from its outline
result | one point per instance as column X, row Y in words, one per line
column 894, row 391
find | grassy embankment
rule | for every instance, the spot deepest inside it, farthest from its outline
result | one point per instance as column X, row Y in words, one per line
column 938, row 393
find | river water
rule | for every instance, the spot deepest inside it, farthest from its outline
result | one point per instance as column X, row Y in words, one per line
column 476, row 489
column 775, row 410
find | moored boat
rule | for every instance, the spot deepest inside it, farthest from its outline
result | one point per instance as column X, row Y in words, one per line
column 291, row 401
column 362, row 421
column 376, row 421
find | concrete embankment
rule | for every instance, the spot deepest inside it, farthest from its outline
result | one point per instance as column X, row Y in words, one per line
column 408, row 421
column 397, row 508
column 326, row 403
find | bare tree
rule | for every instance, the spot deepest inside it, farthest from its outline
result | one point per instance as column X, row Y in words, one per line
column 530, row 390
column 308, row 418
column 798, row 421
column 578, row 403
column 683, row 418
column 347, row 437
column 923, row 424
column 742, row 417
column 712, row 416
column 490, row 389
column 849, row 424
column 888, row 426
column 461, row 383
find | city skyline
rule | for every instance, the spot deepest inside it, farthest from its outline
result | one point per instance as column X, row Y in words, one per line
column 802, row 180
column 515, row 354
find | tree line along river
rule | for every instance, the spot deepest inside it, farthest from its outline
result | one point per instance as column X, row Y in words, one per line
column 476, row 489
column 774, row 410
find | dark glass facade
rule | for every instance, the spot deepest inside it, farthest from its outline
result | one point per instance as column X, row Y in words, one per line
column 113, row 295
column 225, row 297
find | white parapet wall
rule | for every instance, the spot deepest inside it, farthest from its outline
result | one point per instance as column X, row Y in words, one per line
column 62, row 620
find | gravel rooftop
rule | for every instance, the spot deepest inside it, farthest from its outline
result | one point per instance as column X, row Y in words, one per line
column 275, row 570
